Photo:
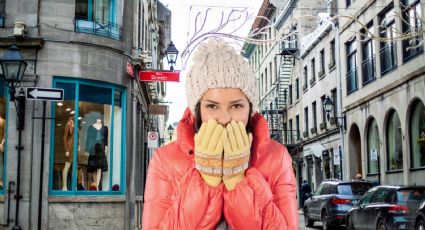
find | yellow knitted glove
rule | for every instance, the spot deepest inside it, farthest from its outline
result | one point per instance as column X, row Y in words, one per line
column 209, row 152
column 237, row 150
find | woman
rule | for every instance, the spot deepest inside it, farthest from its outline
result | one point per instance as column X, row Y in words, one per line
column 223, row 170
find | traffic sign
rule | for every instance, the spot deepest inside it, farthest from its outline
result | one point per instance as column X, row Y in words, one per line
column 152, row 139
column 52, row 94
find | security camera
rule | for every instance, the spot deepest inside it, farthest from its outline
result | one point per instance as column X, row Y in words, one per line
column 19, row 29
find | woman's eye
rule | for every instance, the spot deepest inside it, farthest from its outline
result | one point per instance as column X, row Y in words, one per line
column 237, row 106
column 211, row 106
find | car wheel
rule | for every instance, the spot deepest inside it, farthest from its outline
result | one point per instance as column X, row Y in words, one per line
column 420, row 225
column 382, row 225
column 308, row 222
column 350, row 224
column 325, row 220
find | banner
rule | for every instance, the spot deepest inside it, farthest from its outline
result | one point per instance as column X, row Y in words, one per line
column 152, row 75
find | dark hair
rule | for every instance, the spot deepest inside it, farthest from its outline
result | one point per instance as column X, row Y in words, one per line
column 198, row 118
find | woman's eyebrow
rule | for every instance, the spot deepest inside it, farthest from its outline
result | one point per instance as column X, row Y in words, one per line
column 214, row 102
column 238, row 101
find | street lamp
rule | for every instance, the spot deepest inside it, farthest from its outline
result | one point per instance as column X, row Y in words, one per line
column 172, row 54
column 328, row 106
column 170, row 130
column 13, row 66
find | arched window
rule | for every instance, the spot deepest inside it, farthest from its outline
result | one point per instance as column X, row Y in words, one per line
column 417, row 135
column 372, row 147
column 394, row 142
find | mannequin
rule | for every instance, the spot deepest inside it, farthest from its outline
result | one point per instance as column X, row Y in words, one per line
column 97, row 146
column 68, row 142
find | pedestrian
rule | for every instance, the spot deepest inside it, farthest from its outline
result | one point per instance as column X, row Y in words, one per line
column 223, row 171
column 305, row 192
column 359, row 176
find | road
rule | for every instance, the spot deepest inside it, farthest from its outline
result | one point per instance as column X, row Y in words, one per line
column 317, row 225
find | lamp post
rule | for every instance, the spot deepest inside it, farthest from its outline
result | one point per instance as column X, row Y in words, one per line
column 172, row 54
column 328, row 106
column 13, row 66
column 170, row 130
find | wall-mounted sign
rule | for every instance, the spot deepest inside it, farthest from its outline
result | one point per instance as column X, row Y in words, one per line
column 130, row 69
column 152, row 139
column 158, row 109
column 160, row 75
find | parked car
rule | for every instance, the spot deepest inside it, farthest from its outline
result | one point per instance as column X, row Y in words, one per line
column 331, row 202
column 386, row 207
column 420, row 217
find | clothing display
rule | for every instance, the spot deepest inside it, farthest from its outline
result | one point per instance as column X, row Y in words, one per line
column 68, row 139
column 266, row 195
column 96, row 143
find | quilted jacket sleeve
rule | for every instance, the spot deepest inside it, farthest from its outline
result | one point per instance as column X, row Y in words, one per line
column 179, row 203
column 254, row 204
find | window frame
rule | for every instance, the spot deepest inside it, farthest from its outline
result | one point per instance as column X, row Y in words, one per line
column 407, row 28
column 351, row 74
column 368, row 56
column 391, row 115
column 74, row 191
column 416, row 105
column 389, row 46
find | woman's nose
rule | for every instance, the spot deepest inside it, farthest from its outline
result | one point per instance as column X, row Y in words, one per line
column 224, row 118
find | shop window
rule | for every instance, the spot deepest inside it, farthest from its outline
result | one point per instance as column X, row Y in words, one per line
column 417, row 135
column 394, row 145
column 372, row 147
column 87, row 148
column 3, row 137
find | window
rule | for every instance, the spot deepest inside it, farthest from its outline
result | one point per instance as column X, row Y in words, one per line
column 290, row 132
column 394, row 147
column 3, row 136
column 313, row 107
column 373, row 144
column 322, row 63
column 306, row 120
column 313, row 71
column 349, row 2
column 388, row 49
column 412, row 24
column 290, row 94
column 417, row 135
column 305, row 78
column 266, row 81
column 335, row 101
column 297, row 88
column 97, row 17
column 87, row 147
column 322, row 99
column 332, row 54
column 368, row 58
column 297, row 123
column 351, row 66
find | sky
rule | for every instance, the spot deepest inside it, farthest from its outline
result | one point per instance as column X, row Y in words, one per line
column 183, row 14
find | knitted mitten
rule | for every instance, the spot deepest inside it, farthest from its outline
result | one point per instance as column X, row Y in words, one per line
column 237, row 150
column 209, row 152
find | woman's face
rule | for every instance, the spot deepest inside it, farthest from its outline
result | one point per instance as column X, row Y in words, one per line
column 224, row 105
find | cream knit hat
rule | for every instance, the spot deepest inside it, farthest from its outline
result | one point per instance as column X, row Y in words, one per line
column 218, row 65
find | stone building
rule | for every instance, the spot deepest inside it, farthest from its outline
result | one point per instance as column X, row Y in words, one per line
column 91, row 173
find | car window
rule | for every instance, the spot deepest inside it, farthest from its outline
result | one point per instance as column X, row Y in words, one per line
column 319, row 190
column 367, row 197
column 380, row 196
column 326, row 189
column 411, row 195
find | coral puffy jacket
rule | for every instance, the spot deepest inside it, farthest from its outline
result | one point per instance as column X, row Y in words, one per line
column 176, row 197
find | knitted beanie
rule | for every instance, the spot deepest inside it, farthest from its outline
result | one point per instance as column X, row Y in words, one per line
column 218, row 65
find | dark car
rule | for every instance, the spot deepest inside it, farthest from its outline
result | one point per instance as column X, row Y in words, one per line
column 332, row 200
column 420, row 217
column 386, row 207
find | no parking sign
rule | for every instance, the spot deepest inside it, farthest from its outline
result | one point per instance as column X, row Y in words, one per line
column 152, row 139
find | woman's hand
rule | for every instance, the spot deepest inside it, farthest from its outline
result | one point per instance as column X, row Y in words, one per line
column 209, row 152
column 237, row 150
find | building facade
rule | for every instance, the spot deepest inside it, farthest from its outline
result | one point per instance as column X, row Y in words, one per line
column 91, row 173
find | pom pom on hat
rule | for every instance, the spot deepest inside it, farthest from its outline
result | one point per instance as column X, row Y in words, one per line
column 218, row 65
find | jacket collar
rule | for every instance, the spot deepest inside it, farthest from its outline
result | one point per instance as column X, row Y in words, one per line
column 186, row 131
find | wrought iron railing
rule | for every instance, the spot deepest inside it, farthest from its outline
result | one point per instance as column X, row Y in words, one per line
column 368, row 70
column 351, row 80
column 98, row 27
column 291, row 137
column 388, row 57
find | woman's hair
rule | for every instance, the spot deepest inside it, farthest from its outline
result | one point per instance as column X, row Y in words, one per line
column 198, row 118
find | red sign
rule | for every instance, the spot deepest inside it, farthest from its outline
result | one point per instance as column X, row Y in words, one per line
column 130, row 69
column 152, row 75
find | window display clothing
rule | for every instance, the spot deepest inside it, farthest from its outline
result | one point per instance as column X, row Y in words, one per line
column 96, row 143
column 68, row 140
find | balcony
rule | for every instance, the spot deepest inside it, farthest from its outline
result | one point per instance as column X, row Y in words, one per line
column 98, row 27
column 368, row 70
column 388, row 57
column 351, row 78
